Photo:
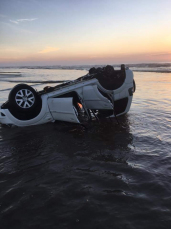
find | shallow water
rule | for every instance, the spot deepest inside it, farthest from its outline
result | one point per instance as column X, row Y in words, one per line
column 106, row 176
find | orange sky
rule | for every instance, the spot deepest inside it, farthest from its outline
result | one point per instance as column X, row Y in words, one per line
column 84, row 33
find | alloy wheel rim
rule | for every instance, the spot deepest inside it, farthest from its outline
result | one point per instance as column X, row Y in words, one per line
column 25, row 98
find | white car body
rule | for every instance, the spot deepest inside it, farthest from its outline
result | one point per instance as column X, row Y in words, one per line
column 60, row 103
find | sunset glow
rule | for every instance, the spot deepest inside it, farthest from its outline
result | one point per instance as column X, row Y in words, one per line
column 39, row 32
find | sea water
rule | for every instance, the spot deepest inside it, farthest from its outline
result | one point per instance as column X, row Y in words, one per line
column 61, row 175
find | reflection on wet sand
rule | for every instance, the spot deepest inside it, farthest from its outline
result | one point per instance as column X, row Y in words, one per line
column 104, row 141
column 63, row 167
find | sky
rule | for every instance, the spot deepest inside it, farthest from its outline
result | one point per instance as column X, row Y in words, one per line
column 77, row 32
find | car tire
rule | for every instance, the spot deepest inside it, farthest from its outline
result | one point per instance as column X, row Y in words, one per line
column 24, row 98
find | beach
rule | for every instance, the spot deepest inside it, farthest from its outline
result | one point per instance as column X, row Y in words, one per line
column 108, row 175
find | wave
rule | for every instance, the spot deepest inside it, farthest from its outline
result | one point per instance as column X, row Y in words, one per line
column 141, row 67
column 10, row 72
column 152, row 70
column 85, row 67
column 150, row 65
column 35, row 81
column 58, row 67
column 9, row 75
column 32, row 85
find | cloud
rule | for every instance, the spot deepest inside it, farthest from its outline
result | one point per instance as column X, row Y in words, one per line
column 15, row 28
column 49, row 49
column 16, row 22
column 161, row 54
column 22, row 20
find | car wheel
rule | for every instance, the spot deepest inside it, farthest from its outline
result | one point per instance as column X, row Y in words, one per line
column 24, row 98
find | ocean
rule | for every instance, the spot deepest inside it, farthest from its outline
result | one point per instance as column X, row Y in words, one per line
column 109, row 175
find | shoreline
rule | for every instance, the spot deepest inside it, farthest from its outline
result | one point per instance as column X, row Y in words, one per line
column 10, row 75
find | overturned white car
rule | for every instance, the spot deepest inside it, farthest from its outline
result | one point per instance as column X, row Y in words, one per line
column 103, row 92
